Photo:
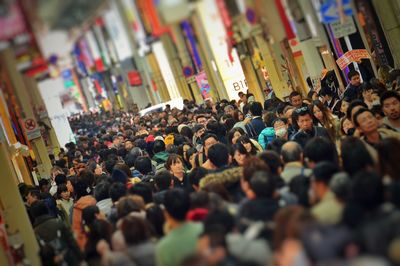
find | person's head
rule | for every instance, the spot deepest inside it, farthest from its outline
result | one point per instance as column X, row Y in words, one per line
column 38, row 208
column 239, row 154
column 117, row 190
column 202, row 120
column 346, row 126
column 234, row 134
column 135, row 230
column 143, row 190
column 344, row 105
column 355, row 156
column 256, row 109
column 390, row 102
column 209, row 140
column 354, row 78
column 190, row 157
column 44, row 185
column 102, row 191
column 32, row 196
column 212, row 246
column 367, row 190
column 322, row 174
column 174, row 164
column 366, row 91
column 354, row 107
column 288, row 113
column 365, row 121
column 320, row 112
column 163, row 180
column 388, row 152
column 273, row 160
column 129, row 204
column 196, row 175
column 229, row 110
column 177, row 204
column 295, row 99
column 300, row 186
column 199, row 131
column 246, row 142
column 276, row 145
column 155, row 218
column 383, row 73
column 158, row 146
column 303, row 119
column 218, row 154
column 262, row 184
column 320, row 149
column 253, row 165
column 143, row 165
column 128, row 145
column 280, row 127
column 291, row 152
column 63, row 192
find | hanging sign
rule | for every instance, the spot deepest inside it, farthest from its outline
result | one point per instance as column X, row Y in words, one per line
column 31, row 128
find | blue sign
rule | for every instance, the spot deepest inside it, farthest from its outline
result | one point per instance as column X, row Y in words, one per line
column 330, row 13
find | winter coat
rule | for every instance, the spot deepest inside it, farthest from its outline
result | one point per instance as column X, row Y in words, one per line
column 77, row 226
column 266, row 136
column 230, row 178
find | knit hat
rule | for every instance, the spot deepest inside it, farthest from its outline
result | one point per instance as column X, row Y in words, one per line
column 169, row 140
column 150, row 138
column 180, row 127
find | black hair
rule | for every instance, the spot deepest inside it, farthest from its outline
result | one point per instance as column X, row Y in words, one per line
column 276, row 145
column 320, row 149
column 209, row 135
column 273, row 160
column 135, row 230
column 163, row 179
column 232, row 132
column 294, row 94
column 352, row 73
column 38, row 208
column 117, row 190
column 256, row 108
column 299, row 186
column 221, row 218
column 354, row 104
column 358, row 113
column 101, row 191
column 324, row 171
column 196, row 175
column 156, row 219
column 109, row 165
column 355, row 156
column 262, row 184
column 61, row 188
column 218, row 154
column 143, row 165
column 144, row 190
column 60, row 179
column 177, row 203
column 389, row 94
column 367, row 190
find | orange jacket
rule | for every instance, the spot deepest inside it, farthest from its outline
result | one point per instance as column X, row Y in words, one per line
column 77, row 225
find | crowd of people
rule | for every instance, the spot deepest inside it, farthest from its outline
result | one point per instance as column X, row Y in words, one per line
column 311, row 181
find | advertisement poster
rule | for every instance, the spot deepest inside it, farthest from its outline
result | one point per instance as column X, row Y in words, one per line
column 202, row 82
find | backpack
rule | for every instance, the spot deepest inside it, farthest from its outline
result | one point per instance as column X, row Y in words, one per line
column 55, row 249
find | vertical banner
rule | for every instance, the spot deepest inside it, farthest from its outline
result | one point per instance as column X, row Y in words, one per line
column 227, row 60
column 203, row 84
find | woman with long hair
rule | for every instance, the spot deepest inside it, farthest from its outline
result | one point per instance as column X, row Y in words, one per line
column 239, row 154
column 323, row 116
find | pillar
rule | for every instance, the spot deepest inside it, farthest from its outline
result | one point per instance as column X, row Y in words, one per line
column 38, row 146
column 16, row 218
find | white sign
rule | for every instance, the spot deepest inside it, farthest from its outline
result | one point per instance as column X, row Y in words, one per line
column 343, row 29
column 31, row 128
column 231, row 72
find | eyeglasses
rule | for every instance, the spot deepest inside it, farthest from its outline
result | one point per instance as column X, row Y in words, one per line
column 301, row 110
